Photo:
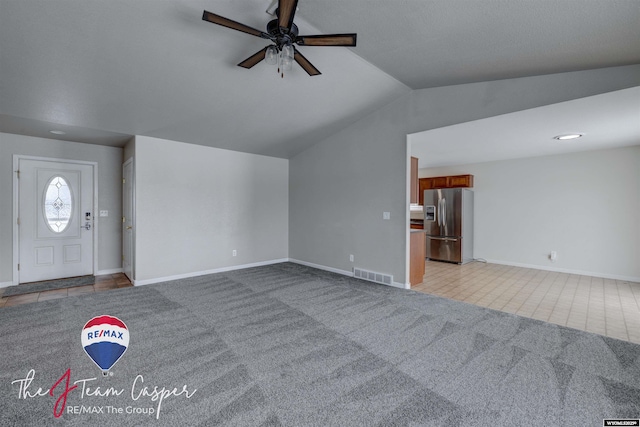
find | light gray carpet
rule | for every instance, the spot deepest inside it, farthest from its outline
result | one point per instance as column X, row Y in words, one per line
column 49, row 285
column 294, row 346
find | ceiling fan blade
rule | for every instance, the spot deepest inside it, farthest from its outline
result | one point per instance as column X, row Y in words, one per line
column 328, row 40
column 253, row 59
column 305, row 64
column 225, row 22
column 286, row 12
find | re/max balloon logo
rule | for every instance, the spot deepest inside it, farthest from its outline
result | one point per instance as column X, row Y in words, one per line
column 105, row 339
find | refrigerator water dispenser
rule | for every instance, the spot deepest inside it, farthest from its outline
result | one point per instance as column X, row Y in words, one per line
column 430, row 213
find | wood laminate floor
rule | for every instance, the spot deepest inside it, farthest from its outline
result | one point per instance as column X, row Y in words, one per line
column 102, row 283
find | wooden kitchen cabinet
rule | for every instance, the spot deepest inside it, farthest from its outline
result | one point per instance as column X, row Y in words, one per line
column 414, row 180
column 423, row 184
column 458, row 181
column 417, row 255
column 436, row 182
column 455, row 181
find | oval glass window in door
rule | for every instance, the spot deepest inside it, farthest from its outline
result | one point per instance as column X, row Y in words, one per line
column 58, row 204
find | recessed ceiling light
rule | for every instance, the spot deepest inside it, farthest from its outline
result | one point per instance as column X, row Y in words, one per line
column 567, row 136
column 57, row 132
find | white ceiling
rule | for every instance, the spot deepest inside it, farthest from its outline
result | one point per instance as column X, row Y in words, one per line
column 105, row 70
column 605, row 121
column 428, row 43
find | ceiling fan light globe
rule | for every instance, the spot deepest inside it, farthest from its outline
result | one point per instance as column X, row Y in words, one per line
column 287, row 52
column 286, row 57
column 271, row 55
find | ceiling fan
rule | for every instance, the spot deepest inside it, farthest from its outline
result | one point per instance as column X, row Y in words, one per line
column 283, row 33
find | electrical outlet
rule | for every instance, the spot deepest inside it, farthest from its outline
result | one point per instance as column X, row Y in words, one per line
column 351, row 257
column 234, row 252
column 386, row 215
column 553, row 256
column 104, row 213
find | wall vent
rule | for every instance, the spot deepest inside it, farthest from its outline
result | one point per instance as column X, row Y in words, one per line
column 372, row 276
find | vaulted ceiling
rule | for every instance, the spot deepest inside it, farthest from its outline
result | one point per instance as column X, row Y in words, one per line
column 102, row 71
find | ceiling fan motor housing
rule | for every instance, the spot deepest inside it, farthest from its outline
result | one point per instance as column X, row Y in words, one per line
column 282, row 36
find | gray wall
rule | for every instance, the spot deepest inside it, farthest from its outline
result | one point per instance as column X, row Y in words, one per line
column 109, row 161
column 129, row 149
column 582, row 205
column 195, row 205
column 340, row 186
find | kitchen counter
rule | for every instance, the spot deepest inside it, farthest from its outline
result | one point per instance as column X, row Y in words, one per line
column 416, row 225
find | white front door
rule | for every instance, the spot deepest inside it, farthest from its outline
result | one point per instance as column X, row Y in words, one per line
column 55, row 217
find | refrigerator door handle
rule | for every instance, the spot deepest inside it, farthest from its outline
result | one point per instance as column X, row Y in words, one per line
column 444, row 210
column 443, row 239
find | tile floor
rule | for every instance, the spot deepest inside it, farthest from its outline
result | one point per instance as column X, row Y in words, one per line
column 602, row 306
column 102, row 283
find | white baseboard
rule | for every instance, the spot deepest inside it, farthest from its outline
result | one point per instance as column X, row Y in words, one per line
column 111, row 271
column 205, row 272
column 344, row 272
column 322, row 267
column 6, row 284
column 566, row 270
column 401, row 285
column 257, row 264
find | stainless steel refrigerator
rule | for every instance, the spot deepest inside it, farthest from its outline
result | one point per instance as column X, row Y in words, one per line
column 448, row 224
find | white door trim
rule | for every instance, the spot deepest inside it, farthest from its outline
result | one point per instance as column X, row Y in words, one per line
column 130, row 161
column 16, row 230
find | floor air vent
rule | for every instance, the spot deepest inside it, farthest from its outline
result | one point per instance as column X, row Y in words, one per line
column 372, row 276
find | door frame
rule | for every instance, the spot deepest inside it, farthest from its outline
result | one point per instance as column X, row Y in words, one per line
column 16, row 205
column 130, row 162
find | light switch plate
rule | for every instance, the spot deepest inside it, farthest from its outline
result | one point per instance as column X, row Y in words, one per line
column 104, row 213
column 386, row 215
